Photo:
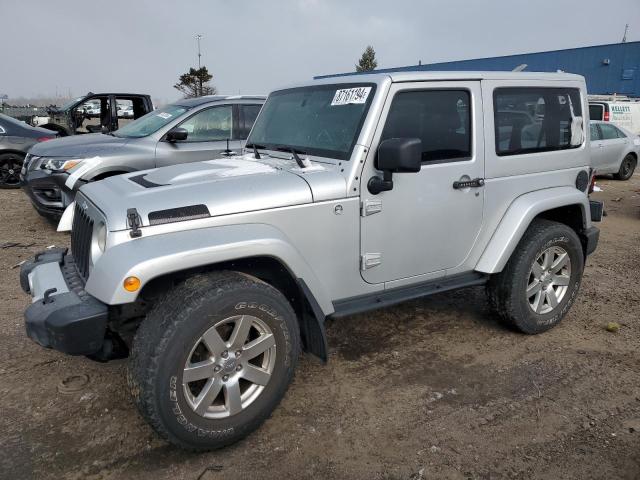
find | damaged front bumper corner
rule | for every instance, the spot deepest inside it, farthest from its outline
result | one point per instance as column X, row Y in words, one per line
column 62, row 315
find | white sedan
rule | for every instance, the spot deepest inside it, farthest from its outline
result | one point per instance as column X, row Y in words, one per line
column 613, row 150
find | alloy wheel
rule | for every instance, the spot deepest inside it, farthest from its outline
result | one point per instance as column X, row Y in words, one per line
column 229, row 366
column 10, row 171
column 549, row 279
column 627, row 164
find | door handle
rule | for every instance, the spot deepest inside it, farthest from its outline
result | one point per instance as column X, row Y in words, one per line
column 475, row 183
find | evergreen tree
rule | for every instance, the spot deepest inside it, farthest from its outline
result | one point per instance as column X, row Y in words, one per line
column 195, row 83
column 368, row 60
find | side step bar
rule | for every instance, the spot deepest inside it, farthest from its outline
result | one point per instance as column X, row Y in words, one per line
column 386, row 298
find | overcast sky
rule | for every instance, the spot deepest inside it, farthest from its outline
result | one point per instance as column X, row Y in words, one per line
column 254, row 46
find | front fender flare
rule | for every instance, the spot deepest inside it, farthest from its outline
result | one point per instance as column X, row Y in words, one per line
column 519, row 216
column 151, row 256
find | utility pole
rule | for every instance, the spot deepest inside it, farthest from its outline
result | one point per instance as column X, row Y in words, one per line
column 624, row 37
column 198, row 38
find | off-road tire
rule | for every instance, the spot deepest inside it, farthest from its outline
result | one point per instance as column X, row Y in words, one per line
column 506, row 290
column 164, row 339
column 627, row 168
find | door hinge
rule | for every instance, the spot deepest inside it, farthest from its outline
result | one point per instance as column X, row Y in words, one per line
column 370, row 260
column 369, row 207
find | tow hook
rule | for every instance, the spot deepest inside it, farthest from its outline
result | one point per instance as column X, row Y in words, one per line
column 134, row 221
column 47, row 295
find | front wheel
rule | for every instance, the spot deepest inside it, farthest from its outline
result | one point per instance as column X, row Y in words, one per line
column 541, row 279
column 213, row 359
column 627, row 168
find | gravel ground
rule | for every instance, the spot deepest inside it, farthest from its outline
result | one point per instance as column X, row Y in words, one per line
column 433, row 388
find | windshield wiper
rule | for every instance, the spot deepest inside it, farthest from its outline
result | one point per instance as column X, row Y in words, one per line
column 299, row 161
column 294, row 151
column 255, row 147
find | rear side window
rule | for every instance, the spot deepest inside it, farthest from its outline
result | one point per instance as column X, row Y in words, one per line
column 595, row 132
column 529, row 120
column 440, row 118
column 596, row 111
column 609, row 132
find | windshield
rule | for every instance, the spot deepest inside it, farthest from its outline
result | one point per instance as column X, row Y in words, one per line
column 70, row 103
column 151, row 122
column 322, row 120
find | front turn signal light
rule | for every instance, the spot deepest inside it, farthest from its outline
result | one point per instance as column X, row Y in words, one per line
column 68, row 165
column 131, row 284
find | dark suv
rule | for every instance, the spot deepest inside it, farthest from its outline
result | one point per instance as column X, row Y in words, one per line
column 98, row 112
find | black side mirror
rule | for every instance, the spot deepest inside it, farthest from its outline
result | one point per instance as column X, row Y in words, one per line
column 395, row 155
column 176, row 134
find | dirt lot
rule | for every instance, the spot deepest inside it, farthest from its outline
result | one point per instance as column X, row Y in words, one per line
column 434, row 388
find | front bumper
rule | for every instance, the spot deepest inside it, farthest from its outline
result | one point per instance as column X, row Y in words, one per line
column 63, row 316
column 47, row 191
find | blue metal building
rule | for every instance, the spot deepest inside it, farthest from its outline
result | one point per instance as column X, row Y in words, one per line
column 608, row 69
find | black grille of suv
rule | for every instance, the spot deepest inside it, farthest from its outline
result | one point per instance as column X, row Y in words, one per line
column 81, row 233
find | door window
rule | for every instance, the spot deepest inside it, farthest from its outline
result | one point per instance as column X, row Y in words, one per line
column 534, row 119
column 124, row 111
column 248, row 114
column 609, row 132
column 440, row 118
column 595, row 132
column 209, row 125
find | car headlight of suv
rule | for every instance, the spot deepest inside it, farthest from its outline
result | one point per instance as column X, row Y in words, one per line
column 60, row 164
column 101, row 236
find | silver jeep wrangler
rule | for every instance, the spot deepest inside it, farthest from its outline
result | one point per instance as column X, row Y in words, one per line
column 352, row 193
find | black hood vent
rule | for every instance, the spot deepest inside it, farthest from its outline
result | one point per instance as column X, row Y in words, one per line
column 181, row 214
column 140, row 180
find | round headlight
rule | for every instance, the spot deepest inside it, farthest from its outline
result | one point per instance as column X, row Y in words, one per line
column 102, row 236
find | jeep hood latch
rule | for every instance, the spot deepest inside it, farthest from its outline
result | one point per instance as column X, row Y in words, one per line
column 134, row 221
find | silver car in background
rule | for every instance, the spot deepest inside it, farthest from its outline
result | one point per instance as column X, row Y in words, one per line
column 188, row 130
column 613, row 150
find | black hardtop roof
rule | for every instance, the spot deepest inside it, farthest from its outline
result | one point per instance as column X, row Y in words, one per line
column 120, row 94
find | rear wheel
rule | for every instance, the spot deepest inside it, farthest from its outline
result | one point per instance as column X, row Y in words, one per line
column 213, row 359
column 10, row 166
column 627, row 168
column 541, row 279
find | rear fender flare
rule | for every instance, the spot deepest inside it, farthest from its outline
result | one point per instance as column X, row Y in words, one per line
column 519, row 216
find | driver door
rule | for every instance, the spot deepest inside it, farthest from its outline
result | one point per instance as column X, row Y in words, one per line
column 208, row 131
column 424, row 226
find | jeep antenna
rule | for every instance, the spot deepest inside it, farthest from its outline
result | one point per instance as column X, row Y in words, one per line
column 228, row 152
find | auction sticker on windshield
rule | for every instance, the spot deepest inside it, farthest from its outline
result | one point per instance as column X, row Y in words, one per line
column 348, row 96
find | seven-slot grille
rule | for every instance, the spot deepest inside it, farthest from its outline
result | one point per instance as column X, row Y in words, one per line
column 81, row 234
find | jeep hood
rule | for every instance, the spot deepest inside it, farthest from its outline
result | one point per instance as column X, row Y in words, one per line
column 82, row 146
column 225, row 186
